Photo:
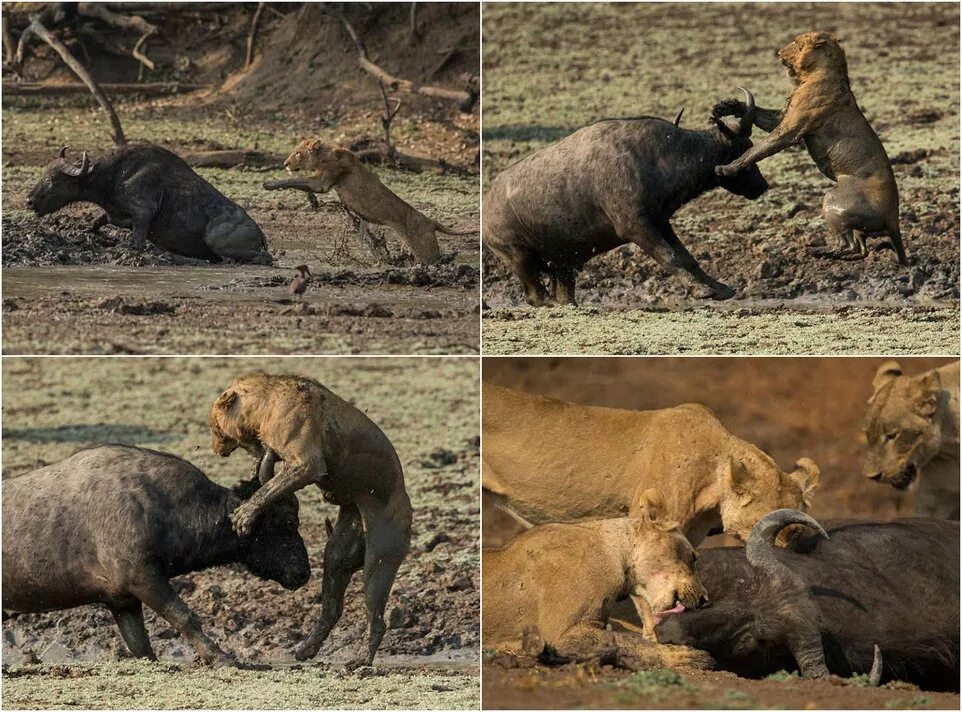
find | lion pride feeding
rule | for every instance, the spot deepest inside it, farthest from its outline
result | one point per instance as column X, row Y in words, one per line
column 804, row 602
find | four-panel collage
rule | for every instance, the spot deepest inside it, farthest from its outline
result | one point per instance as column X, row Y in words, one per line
column 480, row 355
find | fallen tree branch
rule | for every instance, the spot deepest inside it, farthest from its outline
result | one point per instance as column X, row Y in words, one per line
column 151, row 89
column 465, row 99
column 234, row 158
column 252, row 35
column 36, row 28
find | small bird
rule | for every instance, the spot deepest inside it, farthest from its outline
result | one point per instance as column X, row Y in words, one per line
column 302, row 276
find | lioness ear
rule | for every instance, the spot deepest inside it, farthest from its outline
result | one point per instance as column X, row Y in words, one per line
column 885, row 373
column 806, row 474
column 739, row 480
column 343, row 156
column 651, row 505
column 225, row 400
column 927, row 400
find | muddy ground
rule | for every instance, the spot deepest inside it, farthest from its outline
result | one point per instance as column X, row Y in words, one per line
column 788, row 407
column 428, row 408
column 585, row 62
column 69, row 291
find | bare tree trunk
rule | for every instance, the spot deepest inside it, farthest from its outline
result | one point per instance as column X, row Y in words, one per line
column 36, row 28
column 252, row 36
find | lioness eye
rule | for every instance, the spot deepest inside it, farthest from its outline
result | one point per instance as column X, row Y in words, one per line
column 891, row 436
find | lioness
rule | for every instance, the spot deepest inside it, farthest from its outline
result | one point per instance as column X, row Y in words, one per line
column 823, row 112
column 557, row 583
column 362, row 192
column 550, row 461
column 913, row 423
column 326, row 441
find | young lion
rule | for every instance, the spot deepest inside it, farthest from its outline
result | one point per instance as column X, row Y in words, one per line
column 323, row 440
column 555, row 585
column 913, row 424
column 362, row 192
column 823, row 112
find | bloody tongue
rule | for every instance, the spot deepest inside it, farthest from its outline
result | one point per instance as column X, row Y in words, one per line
column 661, row 615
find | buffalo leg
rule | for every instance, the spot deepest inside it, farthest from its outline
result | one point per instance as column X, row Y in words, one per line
column 661, row 243
column 291, row 479
column 155, row 591
column 343, row 555
column 386, row 544
column 130, row 620
column 564, row 285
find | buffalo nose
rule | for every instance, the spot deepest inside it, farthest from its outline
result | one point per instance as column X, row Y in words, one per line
column 30, row 203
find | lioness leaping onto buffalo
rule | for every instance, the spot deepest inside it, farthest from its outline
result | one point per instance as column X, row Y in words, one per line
column 823, row 112
column 555, row 584
column 325, row 441
column 363, row 193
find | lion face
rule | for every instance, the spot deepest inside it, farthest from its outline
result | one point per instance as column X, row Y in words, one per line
column 327, row 163
column 810, row 52
column 662, row 570
column 900, row 427
column 759, row 488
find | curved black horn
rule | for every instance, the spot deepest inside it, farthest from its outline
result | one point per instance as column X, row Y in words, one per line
column 265, row 470
column 63, row 151
column 677, row 120
column 761, row 541
column 75, row 171
column 748, row 118
column 806, row 645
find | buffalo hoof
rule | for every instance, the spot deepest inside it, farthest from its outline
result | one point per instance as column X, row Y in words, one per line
column 306, row 650
column 717, row 291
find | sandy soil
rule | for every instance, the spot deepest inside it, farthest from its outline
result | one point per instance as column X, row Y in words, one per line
column 788, row 407
column 53, row 407
column 587, row 61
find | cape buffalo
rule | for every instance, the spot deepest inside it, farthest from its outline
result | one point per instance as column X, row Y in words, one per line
column 113, row 524
column 615, row 182
column 824, row 606
column 153, row 192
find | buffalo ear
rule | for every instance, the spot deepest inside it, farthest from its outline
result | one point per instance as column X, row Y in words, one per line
column 652, row 506
column 806, row 474
column 885, row 373
column 927, row 400
column 225, row 400
column 740, row 480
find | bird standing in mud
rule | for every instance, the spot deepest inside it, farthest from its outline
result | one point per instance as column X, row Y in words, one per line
column 302, row 276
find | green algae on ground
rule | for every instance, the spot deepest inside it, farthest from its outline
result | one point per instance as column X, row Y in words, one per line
column 144, row 685
column 855, row 330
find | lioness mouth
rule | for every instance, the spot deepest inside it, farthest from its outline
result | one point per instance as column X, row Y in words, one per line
column 905, row 477
column 662, row 615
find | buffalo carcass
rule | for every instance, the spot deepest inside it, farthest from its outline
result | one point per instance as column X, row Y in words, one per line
column 159, row 197
column 824, row 606
column 615, row 182
column 113, row 524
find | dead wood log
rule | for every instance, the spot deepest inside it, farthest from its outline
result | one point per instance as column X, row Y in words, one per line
column 465, row 99
column 233, row 159
column 252, row 35
column 36, row 28
column 150, row 89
